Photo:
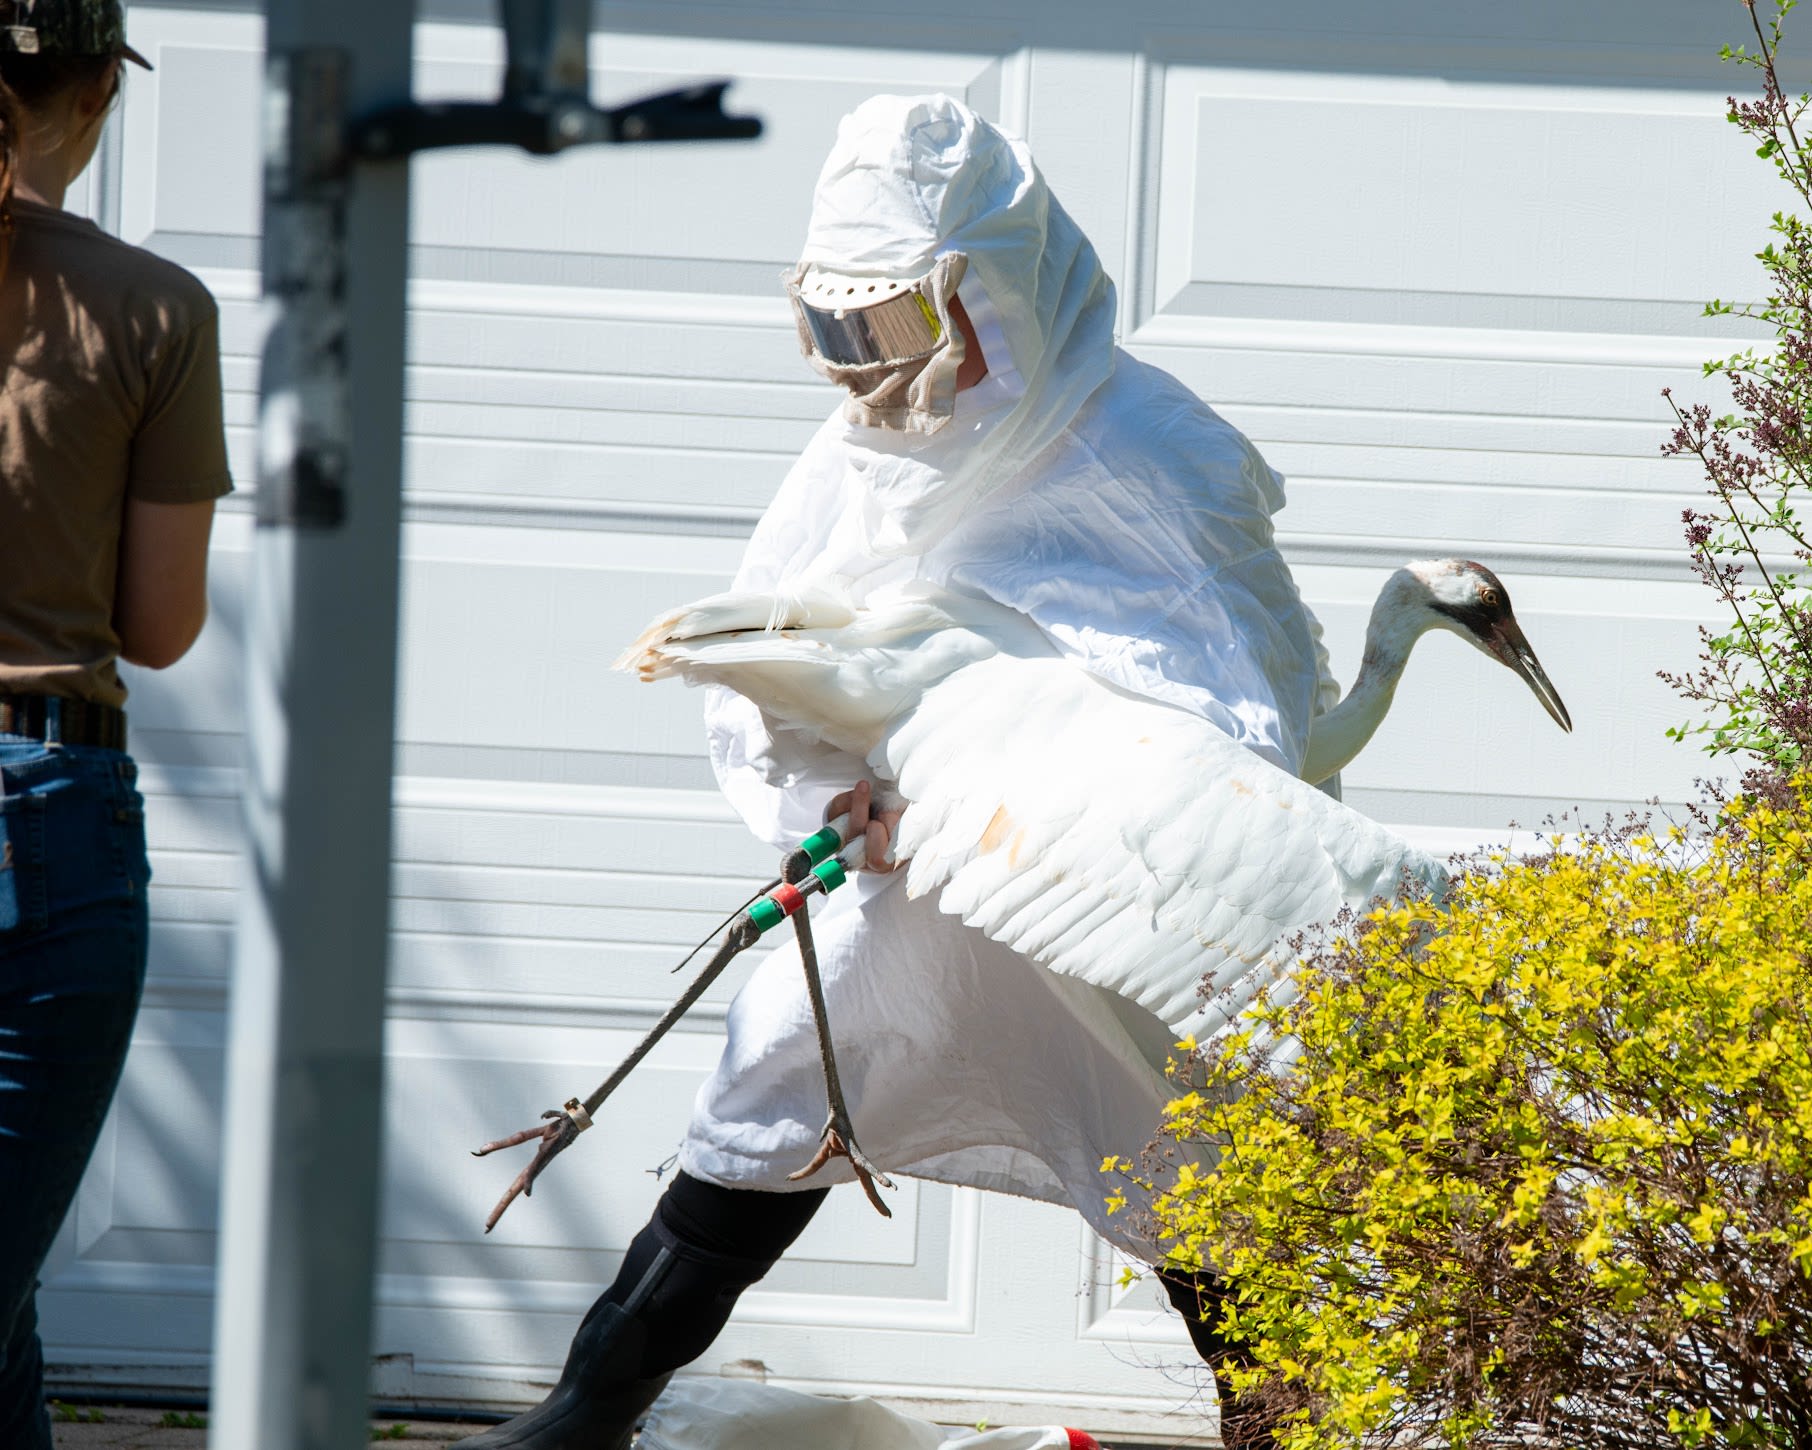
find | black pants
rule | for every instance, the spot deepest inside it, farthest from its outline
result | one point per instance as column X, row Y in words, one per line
column 1198, row 1298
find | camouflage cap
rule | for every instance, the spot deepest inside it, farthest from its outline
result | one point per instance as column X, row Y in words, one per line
column 66, row 27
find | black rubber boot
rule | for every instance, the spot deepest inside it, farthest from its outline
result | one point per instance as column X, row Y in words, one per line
column 680, row 1279
column 599, row 1399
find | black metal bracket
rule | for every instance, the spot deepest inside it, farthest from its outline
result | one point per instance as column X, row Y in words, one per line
column 545, row 124
column 310, row 147
column 545, row 106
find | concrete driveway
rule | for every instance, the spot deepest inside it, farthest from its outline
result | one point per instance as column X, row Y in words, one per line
column 112, row 1427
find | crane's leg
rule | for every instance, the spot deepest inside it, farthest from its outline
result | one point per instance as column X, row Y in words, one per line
column 681, row 1277
column 563, row 1125
column 838, row 1140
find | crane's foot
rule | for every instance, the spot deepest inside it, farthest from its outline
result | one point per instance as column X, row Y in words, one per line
column 560, row 1127
column 838, row 1140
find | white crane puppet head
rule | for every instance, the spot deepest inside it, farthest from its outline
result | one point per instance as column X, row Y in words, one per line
column 1111, row 837
column 1457, row 595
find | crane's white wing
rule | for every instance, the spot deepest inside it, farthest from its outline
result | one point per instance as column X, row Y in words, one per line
column 1112, row 838
column 1121, row 841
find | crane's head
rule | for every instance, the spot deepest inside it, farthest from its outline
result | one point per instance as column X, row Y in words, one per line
column 1469, row 600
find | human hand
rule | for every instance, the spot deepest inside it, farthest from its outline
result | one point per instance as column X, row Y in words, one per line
column 876, row 826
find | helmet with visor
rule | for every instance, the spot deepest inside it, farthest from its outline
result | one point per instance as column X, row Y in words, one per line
column 889, row 340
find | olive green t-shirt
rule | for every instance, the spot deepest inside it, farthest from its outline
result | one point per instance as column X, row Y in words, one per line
column 109, row 390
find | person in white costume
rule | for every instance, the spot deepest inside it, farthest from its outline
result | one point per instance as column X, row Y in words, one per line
column 993, row 440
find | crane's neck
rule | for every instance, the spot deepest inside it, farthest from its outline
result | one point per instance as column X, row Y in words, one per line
column 1336, row 736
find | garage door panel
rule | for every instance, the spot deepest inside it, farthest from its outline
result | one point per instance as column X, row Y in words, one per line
column 536, row 980
column 1084, row 123
column 1441, row 517
column 166, row 1142
column 1426, row 189
column 1554, row 471
column 190, row 962
column 514, row 327
column 145, row 1215
column 189, row 185
column 1433, row 371
column 543, row 405
column 156, row 1314
column 504, row 425
column 1503, row 437
column 1505, row 449
column 571, row 830
column 592, row 485
column 519, row 655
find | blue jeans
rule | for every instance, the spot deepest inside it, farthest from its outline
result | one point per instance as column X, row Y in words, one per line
column 72, row 966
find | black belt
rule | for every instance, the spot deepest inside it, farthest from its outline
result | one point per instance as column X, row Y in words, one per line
column 63, row 720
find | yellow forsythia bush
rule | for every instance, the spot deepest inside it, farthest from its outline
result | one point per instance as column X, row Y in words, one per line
column 1540, row 1165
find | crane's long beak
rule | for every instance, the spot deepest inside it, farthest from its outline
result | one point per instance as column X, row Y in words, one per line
column 1507, row 643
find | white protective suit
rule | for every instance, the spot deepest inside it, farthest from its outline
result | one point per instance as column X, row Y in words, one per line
column 1093, row 493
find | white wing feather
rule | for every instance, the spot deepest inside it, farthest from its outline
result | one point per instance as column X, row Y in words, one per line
column 1122, row 841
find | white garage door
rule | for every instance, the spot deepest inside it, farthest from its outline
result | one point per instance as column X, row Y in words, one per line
column 1433, row 257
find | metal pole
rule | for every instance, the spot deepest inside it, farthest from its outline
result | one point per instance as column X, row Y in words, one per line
column 304, row 1062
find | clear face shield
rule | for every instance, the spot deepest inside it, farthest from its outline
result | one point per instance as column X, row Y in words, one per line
column 889, row 341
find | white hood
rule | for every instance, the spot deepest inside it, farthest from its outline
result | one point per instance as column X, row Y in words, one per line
column 910, row 179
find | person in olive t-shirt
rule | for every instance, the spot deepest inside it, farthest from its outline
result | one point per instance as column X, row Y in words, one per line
column 111, row 457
